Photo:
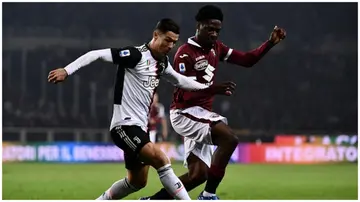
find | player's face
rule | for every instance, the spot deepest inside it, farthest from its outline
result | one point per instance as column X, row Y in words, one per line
column 209, row 31
column 166, row 41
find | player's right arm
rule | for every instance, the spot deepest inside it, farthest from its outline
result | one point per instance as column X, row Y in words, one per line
column 127, row 57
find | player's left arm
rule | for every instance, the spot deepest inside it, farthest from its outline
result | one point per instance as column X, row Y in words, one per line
column 250, row 58
column 181, row 81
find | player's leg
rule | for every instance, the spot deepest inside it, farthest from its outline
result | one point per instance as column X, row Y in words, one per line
column 226, row 142
column 137, row 172
column 196, row 175
column 155, row 157
column 135, row 180
column 134, row 140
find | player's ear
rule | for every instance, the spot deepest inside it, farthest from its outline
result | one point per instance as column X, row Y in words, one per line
column 155, row 34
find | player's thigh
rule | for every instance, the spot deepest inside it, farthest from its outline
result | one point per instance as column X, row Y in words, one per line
column 195, row 123
column 131, row 139
column 222, row 134
column 138, row 175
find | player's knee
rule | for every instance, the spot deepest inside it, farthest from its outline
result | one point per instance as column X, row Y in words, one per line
column 155, row 156
column 160, row 159
column 139, row 184
column 231, row 141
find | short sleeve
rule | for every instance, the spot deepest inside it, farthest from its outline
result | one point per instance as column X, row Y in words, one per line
column 128, row 57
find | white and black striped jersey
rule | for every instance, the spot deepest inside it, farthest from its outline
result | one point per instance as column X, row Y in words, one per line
column 137, row 78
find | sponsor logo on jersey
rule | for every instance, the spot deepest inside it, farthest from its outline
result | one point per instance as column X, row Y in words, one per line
column 201, row 65
column 153, row 82
column 124, row 53
column 183, row 55
column 182, row 68
column 199, row 58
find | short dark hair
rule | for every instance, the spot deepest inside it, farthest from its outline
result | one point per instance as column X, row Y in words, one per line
column 167, row 24
column 209, row 12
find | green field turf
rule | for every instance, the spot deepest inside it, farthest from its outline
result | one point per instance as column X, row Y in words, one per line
column 88, row 181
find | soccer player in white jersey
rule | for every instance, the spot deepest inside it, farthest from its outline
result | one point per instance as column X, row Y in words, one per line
column 139, row 70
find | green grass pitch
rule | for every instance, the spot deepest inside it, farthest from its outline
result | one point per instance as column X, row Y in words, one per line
column 88, row 181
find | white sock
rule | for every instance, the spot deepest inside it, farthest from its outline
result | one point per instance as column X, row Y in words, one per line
column 205, row 193
column 172, row 183
column 118, row 190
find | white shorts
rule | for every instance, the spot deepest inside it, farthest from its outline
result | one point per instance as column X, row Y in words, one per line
column 152, row 135
column 194, row 125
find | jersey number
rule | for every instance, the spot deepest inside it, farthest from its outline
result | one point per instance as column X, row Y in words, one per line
column 209, row 73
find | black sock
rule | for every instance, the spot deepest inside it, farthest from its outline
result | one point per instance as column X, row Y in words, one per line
column 215, row 176
column 162, row 195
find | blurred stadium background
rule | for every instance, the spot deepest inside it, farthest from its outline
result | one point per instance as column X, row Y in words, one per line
column 295, row 112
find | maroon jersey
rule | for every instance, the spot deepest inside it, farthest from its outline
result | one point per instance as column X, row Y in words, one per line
column 195, row 62
column 156, row 113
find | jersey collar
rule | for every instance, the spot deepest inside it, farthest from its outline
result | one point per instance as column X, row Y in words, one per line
column 194, row 43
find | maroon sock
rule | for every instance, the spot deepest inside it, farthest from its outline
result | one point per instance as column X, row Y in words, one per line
column 215, row 176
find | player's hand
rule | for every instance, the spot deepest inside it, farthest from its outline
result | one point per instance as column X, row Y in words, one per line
column 226, row 88
column 57, row 75
column 277, row 35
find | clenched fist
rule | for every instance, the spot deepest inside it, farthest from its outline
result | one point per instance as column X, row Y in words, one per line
column 277, row 35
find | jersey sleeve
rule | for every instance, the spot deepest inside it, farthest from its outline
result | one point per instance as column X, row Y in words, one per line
column 128, row 57
column 225, row 52
column 184, row 64
column 245, row 59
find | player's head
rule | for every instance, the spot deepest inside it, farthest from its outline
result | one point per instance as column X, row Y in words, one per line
column 165, row 35
column 209, row 20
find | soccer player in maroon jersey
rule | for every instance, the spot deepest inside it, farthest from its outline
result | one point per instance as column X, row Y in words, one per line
column 191, row 112
column 157, row 116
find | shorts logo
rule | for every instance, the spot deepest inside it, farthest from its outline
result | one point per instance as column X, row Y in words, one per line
column 137, row 140
column 214, row 116
column 124, row 53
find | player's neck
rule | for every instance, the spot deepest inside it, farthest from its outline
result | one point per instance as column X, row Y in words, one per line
column 204, row 45
column 156, row 55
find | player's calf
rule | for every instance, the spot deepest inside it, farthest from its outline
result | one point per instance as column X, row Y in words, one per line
column 120, row 189
column 226, row 140
column 196, row 176
column 153, row 156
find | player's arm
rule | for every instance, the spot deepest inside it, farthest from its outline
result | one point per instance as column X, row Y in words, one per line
column 190, row 84
column 250, row 58
column 127, row 57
